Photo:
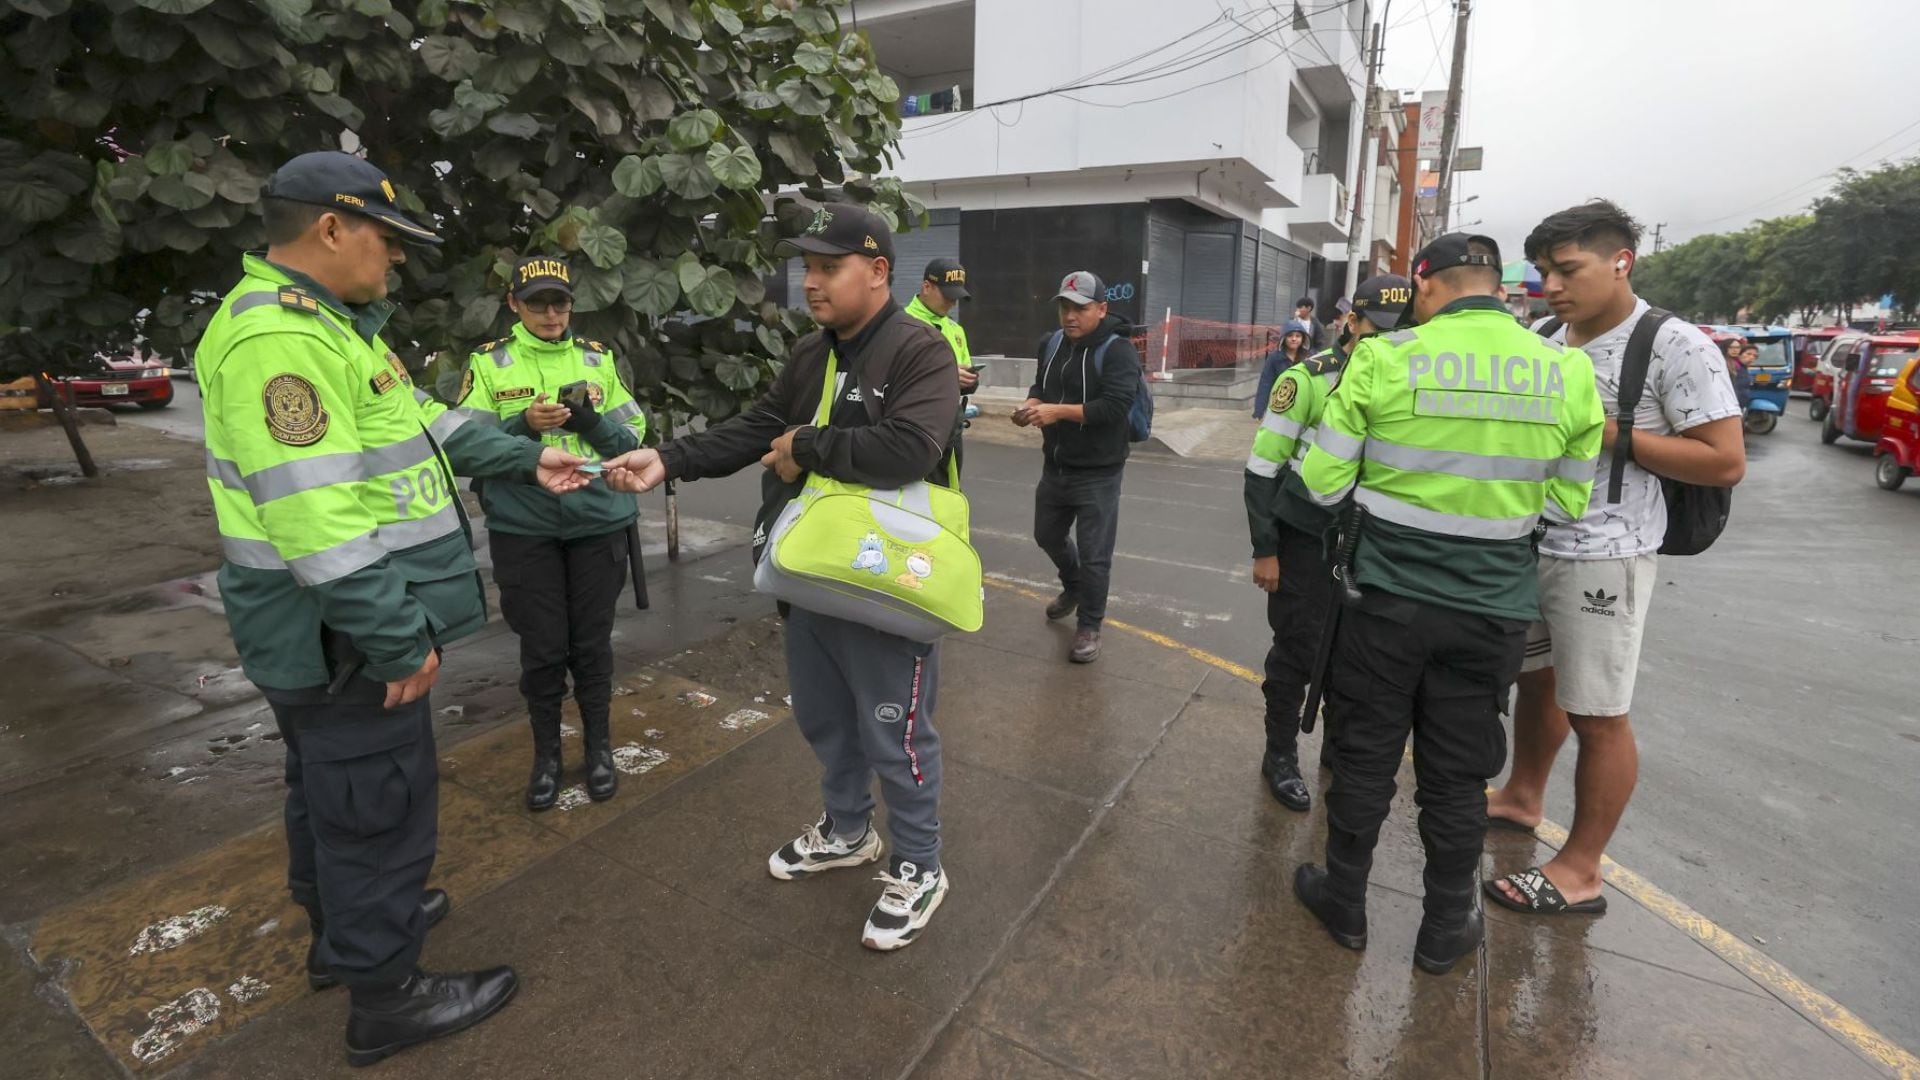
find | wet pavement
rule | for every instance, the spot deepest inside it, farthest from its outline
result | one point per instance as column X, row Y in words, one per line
column 1120, row 905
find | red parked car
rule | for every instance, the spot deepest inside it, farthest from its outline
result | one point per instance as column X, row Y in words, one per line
column 1865, row 369
column 121, row 380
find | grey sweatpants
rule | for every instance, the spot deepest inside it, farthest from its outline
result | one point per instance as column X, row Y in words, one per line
column 864, row 700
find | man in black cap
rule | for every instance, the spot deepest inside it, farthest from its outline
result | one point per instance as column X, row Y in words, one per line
column 1289, row 533
column 942, row 288
column 347, row 569
column 560, row 570
column 863, row 698
column 1089, row 374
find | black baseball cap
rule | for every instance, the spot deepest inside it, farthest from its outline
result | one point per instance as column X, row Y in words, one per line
column 340, row 181
column 950, row 276
column 1383, row 299
column 1451, row 250
column 541, row 273
column 842, row 229
column 1082, row 287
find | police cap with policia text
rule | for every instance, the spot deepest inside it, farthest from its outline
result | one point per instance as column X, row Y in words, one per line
column 1383, row 299
column 950, row 276
column 842, row 229
column 541, row 273
column 340, row 181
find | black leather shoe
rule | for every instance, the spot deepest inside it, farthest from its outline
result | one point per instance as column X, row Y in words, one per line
column 543, row 786
column 1442, row 943
column 434, row 904
column 1346, row 925
column 1282, row 774
column 386, row 1020
column 1063, row 605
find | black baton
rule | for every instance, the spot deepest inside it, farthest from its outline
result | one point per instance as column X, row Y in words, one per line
column 1349, row 595
column 637, row 566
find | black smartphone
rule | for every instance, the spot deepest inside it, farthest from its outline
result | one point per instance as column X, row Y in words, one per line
column 574, row 395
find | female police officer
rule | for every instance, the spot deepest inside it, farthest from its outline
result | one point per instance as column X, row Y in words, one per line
column 560, row 566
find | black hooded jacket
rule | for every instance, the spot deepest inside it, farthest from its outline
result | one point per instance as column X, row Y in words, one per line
column 1068, row 377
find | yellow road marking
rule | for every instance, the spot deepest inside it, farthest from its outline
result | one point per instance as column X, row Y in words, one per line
column 1758, row 966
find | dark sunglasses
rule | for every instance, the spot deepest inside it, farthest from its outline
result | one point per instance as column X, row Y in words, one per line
column 549, row 307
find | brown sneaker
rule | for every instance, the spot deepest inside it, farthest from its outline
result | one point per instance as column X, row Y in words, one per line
column 1063, row 605
column 1086, row 646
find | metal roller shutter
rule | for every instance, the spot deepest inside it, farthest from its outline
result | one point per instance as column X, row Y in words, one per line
column 1206, row 290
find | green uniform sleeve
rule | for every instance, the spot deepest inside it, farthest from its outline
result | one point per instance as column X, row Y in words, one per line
column 623, row 423
column 475, row 449
column 324, row 531
column 1570, row 488
column 1332, row 465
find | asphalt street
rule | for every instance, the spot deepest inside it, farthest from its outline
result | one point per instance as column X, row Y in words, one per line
column 1777, row 711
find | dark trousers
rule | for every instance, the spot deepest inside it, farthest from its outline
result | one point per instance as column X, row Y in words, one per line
column 559, row 597
column 363, row 813
column 1297, row 615
column 1076, row 518
column 1444, row 675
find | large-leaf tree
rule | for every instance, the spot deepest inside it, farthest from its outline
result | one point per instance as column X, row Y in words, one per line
column 648, row 140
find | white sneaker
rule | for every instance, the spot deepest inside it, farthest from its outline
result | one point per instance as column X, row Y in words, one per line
column 814, row 850
column 906, row 904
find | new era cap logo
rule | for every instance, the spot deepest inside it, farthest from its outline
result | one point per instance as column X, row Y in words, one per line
column 1599, row 603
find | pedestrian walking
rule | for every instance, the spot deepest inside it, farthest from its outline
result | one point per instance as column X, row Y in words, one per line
column 1597, row 572
column 1293, row 348
column 1316, row 330
column 1089, row 375
column 1451, row 440
column 864, row 699
column 560, row 565
column 1289, row 531
column 347, row 568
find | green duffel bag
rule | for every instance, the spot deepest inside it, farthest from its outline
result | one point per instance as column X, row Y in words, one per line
column 900, row 560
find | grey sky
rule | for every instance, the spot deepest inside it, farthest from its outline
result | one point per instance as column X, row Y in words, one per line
column 1703, row 114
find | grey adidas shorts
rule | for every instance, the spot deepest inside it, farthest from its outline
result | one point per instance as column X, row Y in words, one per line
column 1594, row 613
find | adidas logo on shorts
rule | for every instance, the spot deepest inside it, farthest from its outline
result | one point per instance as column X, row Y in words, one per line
column 1599, row 603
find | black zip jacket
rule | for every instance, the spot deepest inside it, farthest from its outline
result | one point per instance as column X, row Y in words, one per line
column 1069, row 378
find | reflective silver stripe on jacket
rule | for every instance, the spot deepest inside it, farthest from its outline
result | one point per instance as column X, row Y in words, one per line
column 624, row 413
column 1456, row 463
column 1400, row 512
column 1338, row 443
column 1281, row 425
column 1260, row 466
column 478, row 416
column 224, row 471
column 254, row 554
column 448, row 422
column 325, row 470
column 1576, row 470
column 344, row 558
column 501, row 357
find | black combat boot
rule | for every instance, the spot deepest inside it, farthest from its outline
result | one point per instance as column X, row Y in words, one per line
column 434, row 904
column 1451, row 929
column 388, row 1019
column 1346, row 921
column 602, row 779
column 1282, row 773
column 543, row 787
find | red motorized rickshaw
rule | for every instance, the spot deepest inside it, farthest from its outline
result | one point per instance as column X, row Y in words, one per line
column 1869, row 366
column 1809, row 342
column 1898, row 450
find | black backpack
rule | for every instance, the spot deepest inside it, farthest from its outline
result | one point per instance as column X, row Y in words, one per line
column 1696, row 513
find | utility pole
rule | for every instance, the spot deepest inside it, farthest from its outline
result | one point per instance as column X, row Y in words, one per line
column 1357, row 232
column 1450, row 131
column 1656, row 236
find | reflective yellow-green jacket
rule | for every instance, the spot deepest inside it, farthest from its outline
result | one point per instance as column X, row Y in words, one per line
column 955, row 334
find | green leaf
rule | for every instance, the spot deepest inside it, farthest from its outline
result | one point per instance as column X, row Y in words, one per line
column 339, row 108
column 750, row 289
column 188, row 192
column 516, row 125
column 637, row 177
column 174, row 7
column 477, row 315
column 433, row 14
column 89, row 244
column 737, row 373
column 733, row 166
column 372, row 9
column 287, row 13
column 651, row 288
column 41, row 9
column 588, row 12
column 314, row 80
column 650, row 100
column 606, row 119
column 813, row 58
column 802, row 98
column 792, row 151
column 692, row 130
column 709, row 288
column 677, row 17
column 687, row 176
column 169, row 158
column 759, row 99
column 883, row 87
column 449, row 58
column 769, row 35
column 527, row 18
column 605, row 245
column 770, row 340
column 713, row 402
column 723, row 17
column 815, row 20
column 142, row 37
column 542, row 202
column 596, row 290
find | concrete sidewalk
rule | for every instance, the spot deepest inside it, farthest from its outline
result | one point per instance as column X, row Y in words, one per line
column 1206, row 434
column 1120, row 908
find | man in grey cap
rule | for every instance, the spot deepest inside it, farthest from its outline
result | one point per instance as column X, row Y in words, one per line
column 1089, row 374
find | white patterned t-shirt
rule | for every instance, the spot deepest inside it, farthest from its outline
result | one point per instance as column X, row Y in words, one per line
column 1687, row 385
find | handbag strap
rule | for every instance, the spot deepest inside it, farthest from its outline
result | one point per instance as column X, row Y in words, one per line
column 825, row 413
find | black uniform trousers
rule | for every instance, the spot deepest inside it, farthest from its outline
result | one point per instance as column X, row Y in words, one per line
column 1297, row 615
column 1400, row 665
column 363, row 816
column 1082, row 505
column 559, row 597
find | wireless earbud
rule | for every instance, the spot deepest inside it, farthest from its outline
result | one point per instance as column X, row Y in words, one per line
column 1620, row 264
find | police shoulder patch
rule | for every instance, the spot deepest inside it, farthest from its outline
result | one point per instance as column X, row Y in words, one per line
column 491, row 345
column 1284, row 393
column 466, row 383
column 299, row 300
column 597, row 347
column 294, row 413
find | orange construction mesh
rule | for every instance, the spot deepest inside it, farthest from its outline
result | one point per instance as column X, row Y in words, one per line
column 1184, row 344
